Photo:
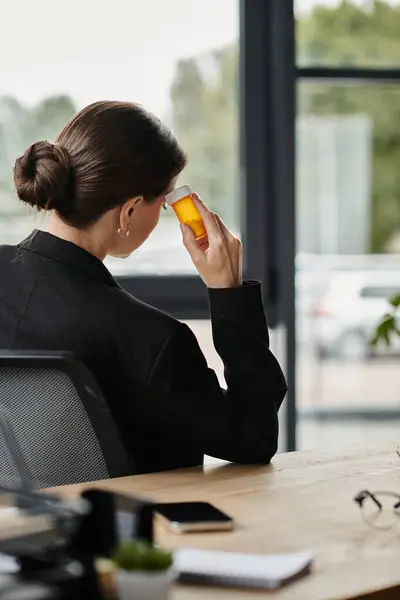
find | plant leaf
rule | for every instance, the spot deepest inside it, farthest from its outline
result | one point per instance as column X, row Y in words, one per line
column 136, row 555
column 395, row 301
column 384, row 330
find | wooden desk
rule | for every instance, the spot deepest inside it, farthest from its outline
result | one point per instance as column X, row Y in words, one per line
column 303, row 501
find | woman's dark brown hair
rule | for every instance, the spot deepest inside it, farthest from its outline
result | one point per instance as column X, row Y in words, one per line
column 108, row 153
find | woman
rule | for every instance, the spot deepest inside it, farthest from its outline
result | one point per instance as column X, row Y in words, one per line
column 104, row 182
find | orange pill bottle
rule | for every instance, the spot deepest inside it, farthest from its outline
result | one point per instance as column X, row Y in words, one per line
column 185, row 209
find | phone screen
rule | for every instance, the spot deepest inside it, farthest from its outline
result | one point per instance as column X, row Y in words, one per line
column 186, row 513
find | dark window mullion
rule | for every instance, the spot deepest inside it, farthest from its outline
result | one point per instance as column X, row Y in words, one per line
column 349, row 74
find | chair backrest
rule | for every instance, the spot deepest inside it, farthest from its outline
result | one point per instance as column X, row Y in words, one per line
column 59, row 420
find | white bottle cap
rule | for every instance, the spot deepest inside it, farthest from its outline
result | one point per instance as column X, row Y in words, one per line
column 177, row 194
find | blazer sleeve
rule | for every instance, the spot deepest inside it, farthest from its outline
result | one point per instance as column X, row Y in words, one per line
column 239, row 424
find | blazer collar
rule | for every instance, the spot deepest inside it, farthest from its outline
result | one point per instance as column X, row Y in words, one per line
column 54, row 248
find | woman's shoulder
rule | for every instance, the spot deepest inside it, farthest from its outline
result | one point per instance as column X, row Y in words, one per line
column 133, row 310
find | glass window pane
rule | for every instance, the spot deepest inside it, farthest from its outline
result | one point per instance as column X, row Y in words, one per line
column 356, row 32
column 348, row 260
column 177, row 58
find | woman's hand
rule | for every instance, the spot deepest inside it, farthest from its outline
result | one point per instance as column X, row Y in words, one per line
column 218, row 259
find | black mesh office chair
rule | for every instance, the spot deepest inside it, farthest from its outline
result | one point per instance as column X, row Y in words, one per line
column 59, row 420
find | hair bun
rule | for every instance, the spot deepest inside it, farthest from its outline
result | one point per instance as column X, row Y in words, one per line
column 43, row 177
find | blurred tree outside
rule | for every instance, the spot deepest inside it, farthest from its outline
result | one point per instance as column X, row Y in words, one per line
column 205, row 118
column 362, row 35
column 20, row 126
column 205, row 108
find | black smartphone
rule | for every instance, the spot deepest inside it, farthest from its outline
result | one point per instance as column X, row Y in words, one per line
column 185, row 517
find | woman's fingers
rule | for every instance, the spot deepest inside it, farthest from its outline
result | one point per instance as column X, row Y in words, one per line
column 209, row 219
column 217, row 257
column 228, row 235
column 203, row 243
column 189, row 241
column 223, row 228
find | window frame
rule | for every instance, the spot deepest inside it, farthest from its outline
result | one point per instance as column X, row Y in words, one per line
column 357, row 75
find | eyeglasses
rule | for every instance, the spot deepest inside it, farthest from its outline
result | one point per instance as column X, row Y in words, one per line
column 379, row 509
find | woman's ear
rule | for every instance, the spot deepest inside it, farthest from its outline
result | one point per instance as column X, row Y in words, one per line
column 128, row 211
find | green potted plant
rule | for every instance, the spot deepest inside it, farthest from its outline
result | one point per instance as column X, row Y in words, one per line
column 390, row 324
column 142, row 572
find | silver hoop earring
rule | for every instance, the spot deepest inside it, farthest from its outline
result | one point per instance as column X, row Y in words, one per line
column 123, row 234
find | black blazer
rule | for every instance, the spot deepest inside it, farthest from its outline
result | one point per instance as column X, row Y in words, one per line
column 167, row 404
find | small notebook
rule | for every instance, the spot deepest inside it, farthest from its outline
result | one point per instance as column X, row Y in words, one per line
column 264, row 571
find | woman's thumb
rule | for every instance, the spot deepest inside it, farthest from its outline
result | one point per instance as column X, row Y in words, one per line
column 189, row 241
